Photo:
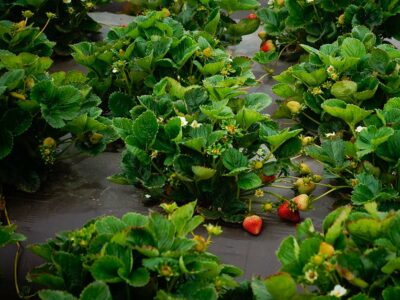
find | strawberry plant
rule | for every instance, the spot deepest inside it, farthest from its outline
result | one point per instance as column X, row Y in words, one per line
column 134, row 58
column 355, row 69
column 345, row 93
column 64, row 21
column 356, row 256
column 9, row 236
column 291, row 23
column 41, row 116
column 20, row 37
column 205, row 143
column 150, row 257
column 212, row 16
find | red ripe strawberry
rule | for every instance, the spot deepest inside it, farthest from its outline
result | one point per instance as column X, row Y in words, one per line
column 268, row 179
column 302, row 201
column 288, row 211
column 252, row 16
column 253, row 224
column 267, row 46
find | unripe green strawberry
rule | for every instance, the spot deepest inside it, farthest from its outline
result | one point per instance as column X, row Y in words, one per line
column 280, row 2
column 326, row 249
column 304, row 169
column 207, row 52
column 307, row 140
column 316, row 178
column 317, row 259
column 294, row 106
column 341, row 19
column 201, row 243
column 304, row 187
column 302, row 201
column 262, row 35
column 267, row 207
column 166, row 12
column 49, row 142
column 95, row 138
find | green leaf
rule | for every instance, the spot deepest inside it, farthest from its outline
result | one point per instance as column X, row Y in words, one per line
column 186, row 47
column 55, row 295
column 379, row 60
column 391, row 293
column 173, row 129
column 71, row 267
column 284, row 90
column 370, row 189
column 314, row 78
column 331, row 152
column 336, row 228
column 249, row 181
column 163, row 231
column 389, row 150
column 6, row 143
column 184, row 220
column 96, row 290
column 145, row 129
column 12, row 79
column 234, row 159
column 137, row 278
column 203, row 173
column 109, row 225
column 247, row 117
column 106, row 269
column 281, row 286
column 213, row 20
column 366, row 228
column 344, row 89
column 135, row 219
column 277, row 139
column 123, row 127
column 288, row 251
column 352, row 47
column 183, row 167
column 370, row 138
column 58, row 104
column 235, row 5
column 391, row 266
column 349, row 113
column 120, row 104
column 259, row 290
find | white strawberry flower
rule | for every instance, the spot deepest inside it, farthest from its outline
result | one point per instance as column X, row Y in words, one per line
column 195, row 124
column 360, row 128
column 184, row 122
column 338, row 291
column 309, row 1
column 330, row 69
column 147, row 196
column 331, row 134
column 311, row 276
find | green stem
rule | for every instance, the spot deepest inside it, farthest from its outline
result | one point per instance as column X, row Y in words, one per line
column 328, row 192
column 276, row 195
column 280, row 186
column 237, row 188
column 311, row 118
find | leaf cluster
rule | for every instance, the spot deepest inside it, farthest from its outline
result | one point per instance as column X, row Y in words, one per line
column 149, row 257
column 212, row 16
